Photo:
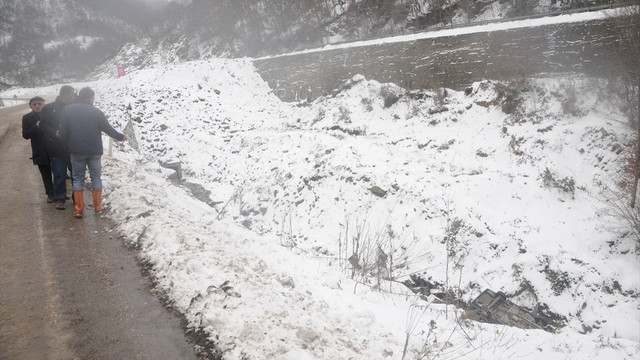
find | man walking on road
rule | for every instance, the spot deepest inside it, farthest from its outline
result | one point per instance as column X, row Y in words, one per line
column 82, row 126
column 32, row 129
column 57, row 148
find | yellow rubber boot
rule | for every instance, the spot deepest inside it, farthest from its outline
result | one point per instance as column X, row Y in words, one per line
column 78, row 197
column 97, row 201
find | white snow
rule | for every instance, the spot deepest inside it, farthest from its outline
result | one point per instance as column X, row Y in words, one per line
column 476, row 199
column 13, row 102
column 83, row 42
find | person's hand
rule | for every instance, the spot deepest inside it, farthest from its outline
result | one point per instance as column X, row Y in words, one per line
column 124, row 138
column 57, row 133
column 38, row 124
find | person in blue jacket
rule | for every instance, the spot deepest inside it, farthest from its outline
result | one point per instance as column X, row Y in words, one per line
column 82, row 126
column 32, row 129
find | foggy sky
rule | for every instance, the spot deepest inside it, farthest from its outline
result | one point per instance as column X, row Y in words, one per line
column 134, row 11
column 153, row 3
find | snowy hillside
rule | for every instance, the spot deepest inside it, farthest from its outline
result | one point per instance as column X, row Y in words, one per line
column 44, row 41
column 499, row 187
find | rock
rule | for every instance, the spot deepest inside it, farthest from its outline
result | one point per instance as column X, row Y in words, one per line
column 286, row 281
column 307, row 335
column 377, row 191
column 437, row 110
column 390, row 99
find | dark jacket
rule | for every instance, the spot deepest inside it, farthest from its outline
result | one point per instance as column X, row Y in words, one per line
column 82, row 125
column 30, row 130
column 51, row 115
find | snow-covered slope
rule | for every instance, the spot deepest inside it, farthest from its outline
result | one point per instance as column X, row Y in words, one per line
column 498, row 187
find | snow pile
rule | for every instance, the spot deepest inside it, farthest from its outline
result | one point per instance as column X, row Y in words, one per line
column 12, row 102
column 497, row 187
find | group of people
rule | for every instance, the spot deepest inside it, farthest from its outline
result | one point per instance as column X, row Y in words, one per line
column 67, row 135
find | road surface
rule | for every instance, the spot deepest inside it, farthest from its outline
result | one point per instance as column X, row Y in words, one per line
column 69, row 289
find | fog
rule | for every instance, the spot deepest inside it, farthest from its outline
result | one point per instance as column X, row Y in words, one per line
column 138, row 12
column 154, row 3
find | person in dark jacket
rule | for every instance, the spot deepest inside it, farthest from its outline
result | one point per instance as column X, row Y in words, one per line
column 57, row 148
column 82, row 126
column 31, row 129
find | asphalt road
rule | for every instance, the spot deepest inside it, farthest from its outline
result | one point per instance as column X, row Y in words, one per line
column 69, row 289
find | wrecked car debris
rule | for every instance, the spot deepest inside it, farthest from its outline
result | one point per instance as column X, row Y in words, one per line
column 488, row 307
column 494, row 308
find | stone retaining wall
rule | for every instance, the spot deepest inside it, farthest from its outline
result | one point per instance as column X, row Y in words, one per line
column 453, row 61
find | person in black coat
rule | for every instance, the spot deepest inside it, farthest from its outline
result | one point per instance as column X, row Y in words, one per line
column 58, row 152
column 82, row 126
column 32, row 129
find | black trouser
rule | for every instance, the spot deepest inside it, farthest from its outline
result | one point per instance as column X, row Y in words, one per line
column 47, row 178
column 59, row 166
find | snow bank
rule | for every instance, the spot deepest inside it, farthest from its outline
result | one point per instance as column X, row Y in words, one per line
column 499, row 187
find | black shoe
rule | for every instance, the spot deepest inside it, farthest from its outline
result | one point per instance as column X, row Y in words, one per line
column 60, row 205
column 50, row 199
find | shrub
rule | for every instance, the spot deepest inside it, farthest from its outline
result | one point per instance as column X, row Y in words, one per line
column 566, row 184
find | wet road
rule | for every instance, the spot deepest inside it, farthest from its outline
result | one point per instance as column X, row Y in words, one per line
column 69, row 289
